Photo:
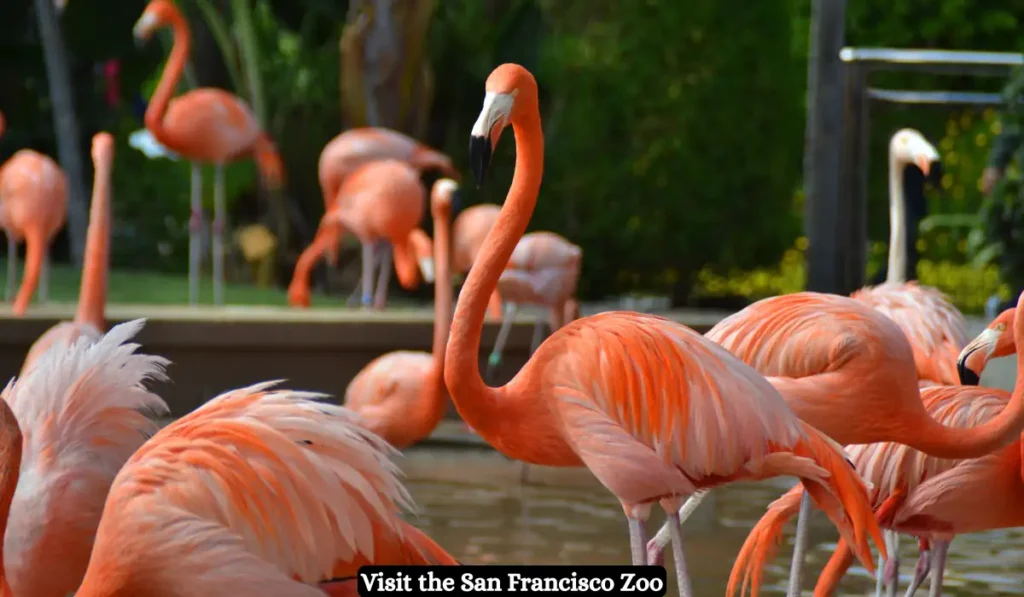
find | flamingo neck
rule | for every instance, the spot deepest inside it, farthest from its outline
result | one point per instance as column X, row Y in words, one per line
column 897, row 266
column 480, row 405
column 433, row 401
column 10, row 467
column 325, row 238
column 92, row 297
column 169, row 79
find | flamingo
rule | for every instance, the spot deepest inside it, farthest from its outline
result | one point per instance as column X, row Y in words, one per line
column 935, row 328
column 380, row 202
column 89, row 319
column 33, row 208
column 848, row 371
column 258, row 492
column 653, row 409
column 66, row 427
column 913, row 493
column 543, row 270
column 401, row 395
column 468, row 234
column 206, row 125
column 993, row 342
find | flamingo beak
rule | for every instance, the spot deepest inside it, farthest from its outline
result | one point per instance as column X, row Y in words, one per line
column 479, row 158
column 974, row 356
column 924, row 164
column 494, row 117
column 143, row 28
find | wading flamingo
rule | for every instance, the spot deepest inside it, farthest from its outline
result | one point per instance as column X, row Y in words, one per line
column 90, row 319
column 258, row 492
column 543, row 270
column 935, row 328
column 993, row 342
column 916, row 494
column 206, row 125
column 33, row 207
column 401, row 395
column 468, row 234
column 381, row 202
column 66, row 428
column 848, row 371
column 652, row 408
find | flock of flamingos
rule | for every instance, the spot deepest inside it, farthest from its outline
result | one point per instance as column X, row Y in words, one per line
column 871, row 401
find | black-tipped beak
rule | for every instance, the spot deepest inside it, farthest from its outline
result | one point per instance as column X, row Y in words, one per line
column 479, row 158
column 967, row 376
column 456, row 201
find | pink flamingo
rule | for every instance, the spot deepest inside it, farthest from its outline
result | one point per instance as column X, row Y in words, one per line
column 935, row 328
column 652, row 408
column 993, row 342
column 258, row 492
column 33, row 207
column 205, row 125
column 90, row 319
column 468, row 234
column 66, row 428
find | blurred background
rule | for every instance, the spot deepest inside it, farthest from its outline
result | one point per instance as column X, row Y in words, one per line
column 674, row 131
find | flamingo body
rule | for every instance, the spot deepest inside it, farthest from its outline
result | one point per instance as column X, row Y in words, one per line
column 209, row 125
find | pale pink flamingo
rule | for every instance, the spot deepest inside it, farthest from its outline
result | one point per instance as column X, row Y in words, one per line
column 90, row 319
column 543, row 270
column 258, row 492
column 206, row 125
column 847, row 370
column 400, row 395
column 33, row 208
column 935, row 328
column 66, row 428
column 652, row 408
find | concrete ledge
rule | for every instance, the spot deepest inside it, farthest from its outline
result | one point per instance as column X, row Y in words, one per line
column 214, row 349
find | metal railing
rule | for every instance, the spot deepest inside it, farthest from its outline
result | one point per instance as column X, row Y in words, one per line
column 858, row 97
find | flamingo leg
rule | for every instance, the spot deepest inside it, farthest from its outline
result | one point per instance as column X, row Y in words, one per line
column 799, row 547
column 44, row 278
column 384, row 258
column 637, row 541
column 538, row 335
column 367, row 294
column 219, row 224
column 891, row 571
column 921, row 570
column 656, row 546
column 940, row 549
column 12, row 267
column 499, row 343
column 682, row 578
column 195, row 225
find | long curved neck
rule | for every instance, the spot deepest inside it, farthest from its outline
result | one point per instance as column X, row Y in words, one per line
column 477, row 403
column 92, row 296
column 432, row 401
column 897, row 268
column 950, row 442
column 169, row 79
column 10, row 467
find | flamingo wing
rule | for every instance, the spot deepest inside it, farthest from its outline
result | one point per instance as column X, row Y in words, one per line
column 937, row 331
column 255, row 488
column 209, row 125
column 82, row 408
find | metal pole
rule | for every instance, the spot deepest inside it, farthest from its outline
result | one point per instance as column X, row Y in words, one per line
column 822, row 148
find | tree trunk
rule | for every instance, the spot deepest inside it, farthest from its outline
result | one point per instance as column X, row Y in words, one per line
column 65, row 123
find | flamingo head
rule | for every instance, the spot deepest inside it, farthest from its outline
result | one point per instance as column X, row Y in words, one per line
column 158, row 13
column 909, row 146
column 995, row 341
column 511, row 92
column 102, row 147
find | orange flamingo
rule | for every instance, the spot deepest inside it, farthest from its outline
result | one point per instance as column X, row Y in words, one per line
column 90, row 319
column 848, row 371
column 381, row 202
column 652, row 408
column 935, row 328
column 401, row 395
column 257, row 492
column 66, row 428
column 993, row 342
column 33, row 207
column 205, row 125
column 543, row 270
column 930, row 498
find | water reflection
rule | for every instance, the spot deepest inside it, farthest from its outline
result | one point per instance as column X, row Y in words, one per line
column 542, row 525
